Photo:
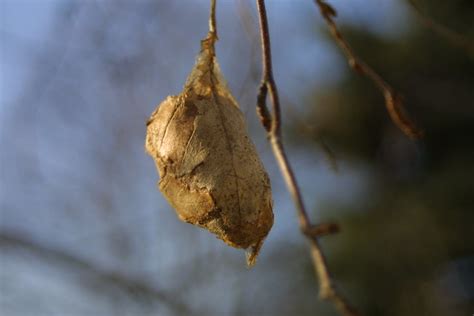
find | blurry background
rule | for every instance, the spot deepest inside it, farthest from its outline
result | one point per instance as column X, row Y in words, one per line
column 84, row 230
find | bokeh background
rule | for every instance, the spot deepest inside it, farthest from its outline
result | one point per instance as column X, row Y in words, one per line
column 84, row 230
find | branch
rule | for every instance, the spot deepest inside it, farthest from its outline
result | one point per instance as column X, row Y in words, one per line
column 393, row 100
column 450, row 35
column 109, row 280
column 272, row 124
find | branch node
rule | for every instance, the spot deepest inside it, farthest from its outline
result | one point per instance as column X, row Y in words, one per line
column 262, row 110
column 396, row 110
column 319, row 230
column 355, row 65
column 326, row 293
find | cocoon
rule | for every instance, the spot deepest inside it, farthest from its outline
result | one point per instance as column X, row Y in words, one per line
column 209, row 169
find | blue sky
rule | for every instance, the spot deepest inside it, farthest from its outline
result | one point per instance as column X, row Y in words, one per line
column 25, row 25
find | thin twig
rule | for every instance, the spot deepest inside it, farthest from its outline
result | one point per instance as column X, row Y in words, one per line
column 107, row 282
column 210, row 40
column 272, row 124
column 393, row 101
column 212, row 19
column 445, row 32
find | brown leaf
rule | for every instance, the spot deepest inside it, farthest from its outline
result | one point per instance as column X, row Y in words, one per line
column 209, row 168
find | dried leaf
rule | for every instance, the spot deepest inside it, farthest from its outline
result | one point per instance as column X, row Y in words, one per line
column 209, row 169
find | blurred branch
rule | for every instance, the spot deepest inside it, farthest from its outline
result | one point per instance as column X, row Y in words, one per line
column 454, row 38
column 331, row 158
column 110, row 280
column 272, row 124
column 393, row 100
column 316, row 135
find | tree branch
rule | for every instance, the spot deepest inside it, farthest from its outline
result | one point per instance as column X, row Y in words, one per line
column 393, row 100
column 110, row 281
column 445, row 32
column 272, row 124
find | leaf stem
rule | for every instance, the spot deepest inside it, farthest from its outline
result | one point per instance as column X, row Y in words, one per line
column 212, row 20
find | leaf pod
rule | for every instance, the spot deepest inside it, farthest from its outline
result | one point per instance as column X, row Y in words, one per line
column 209, row 168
